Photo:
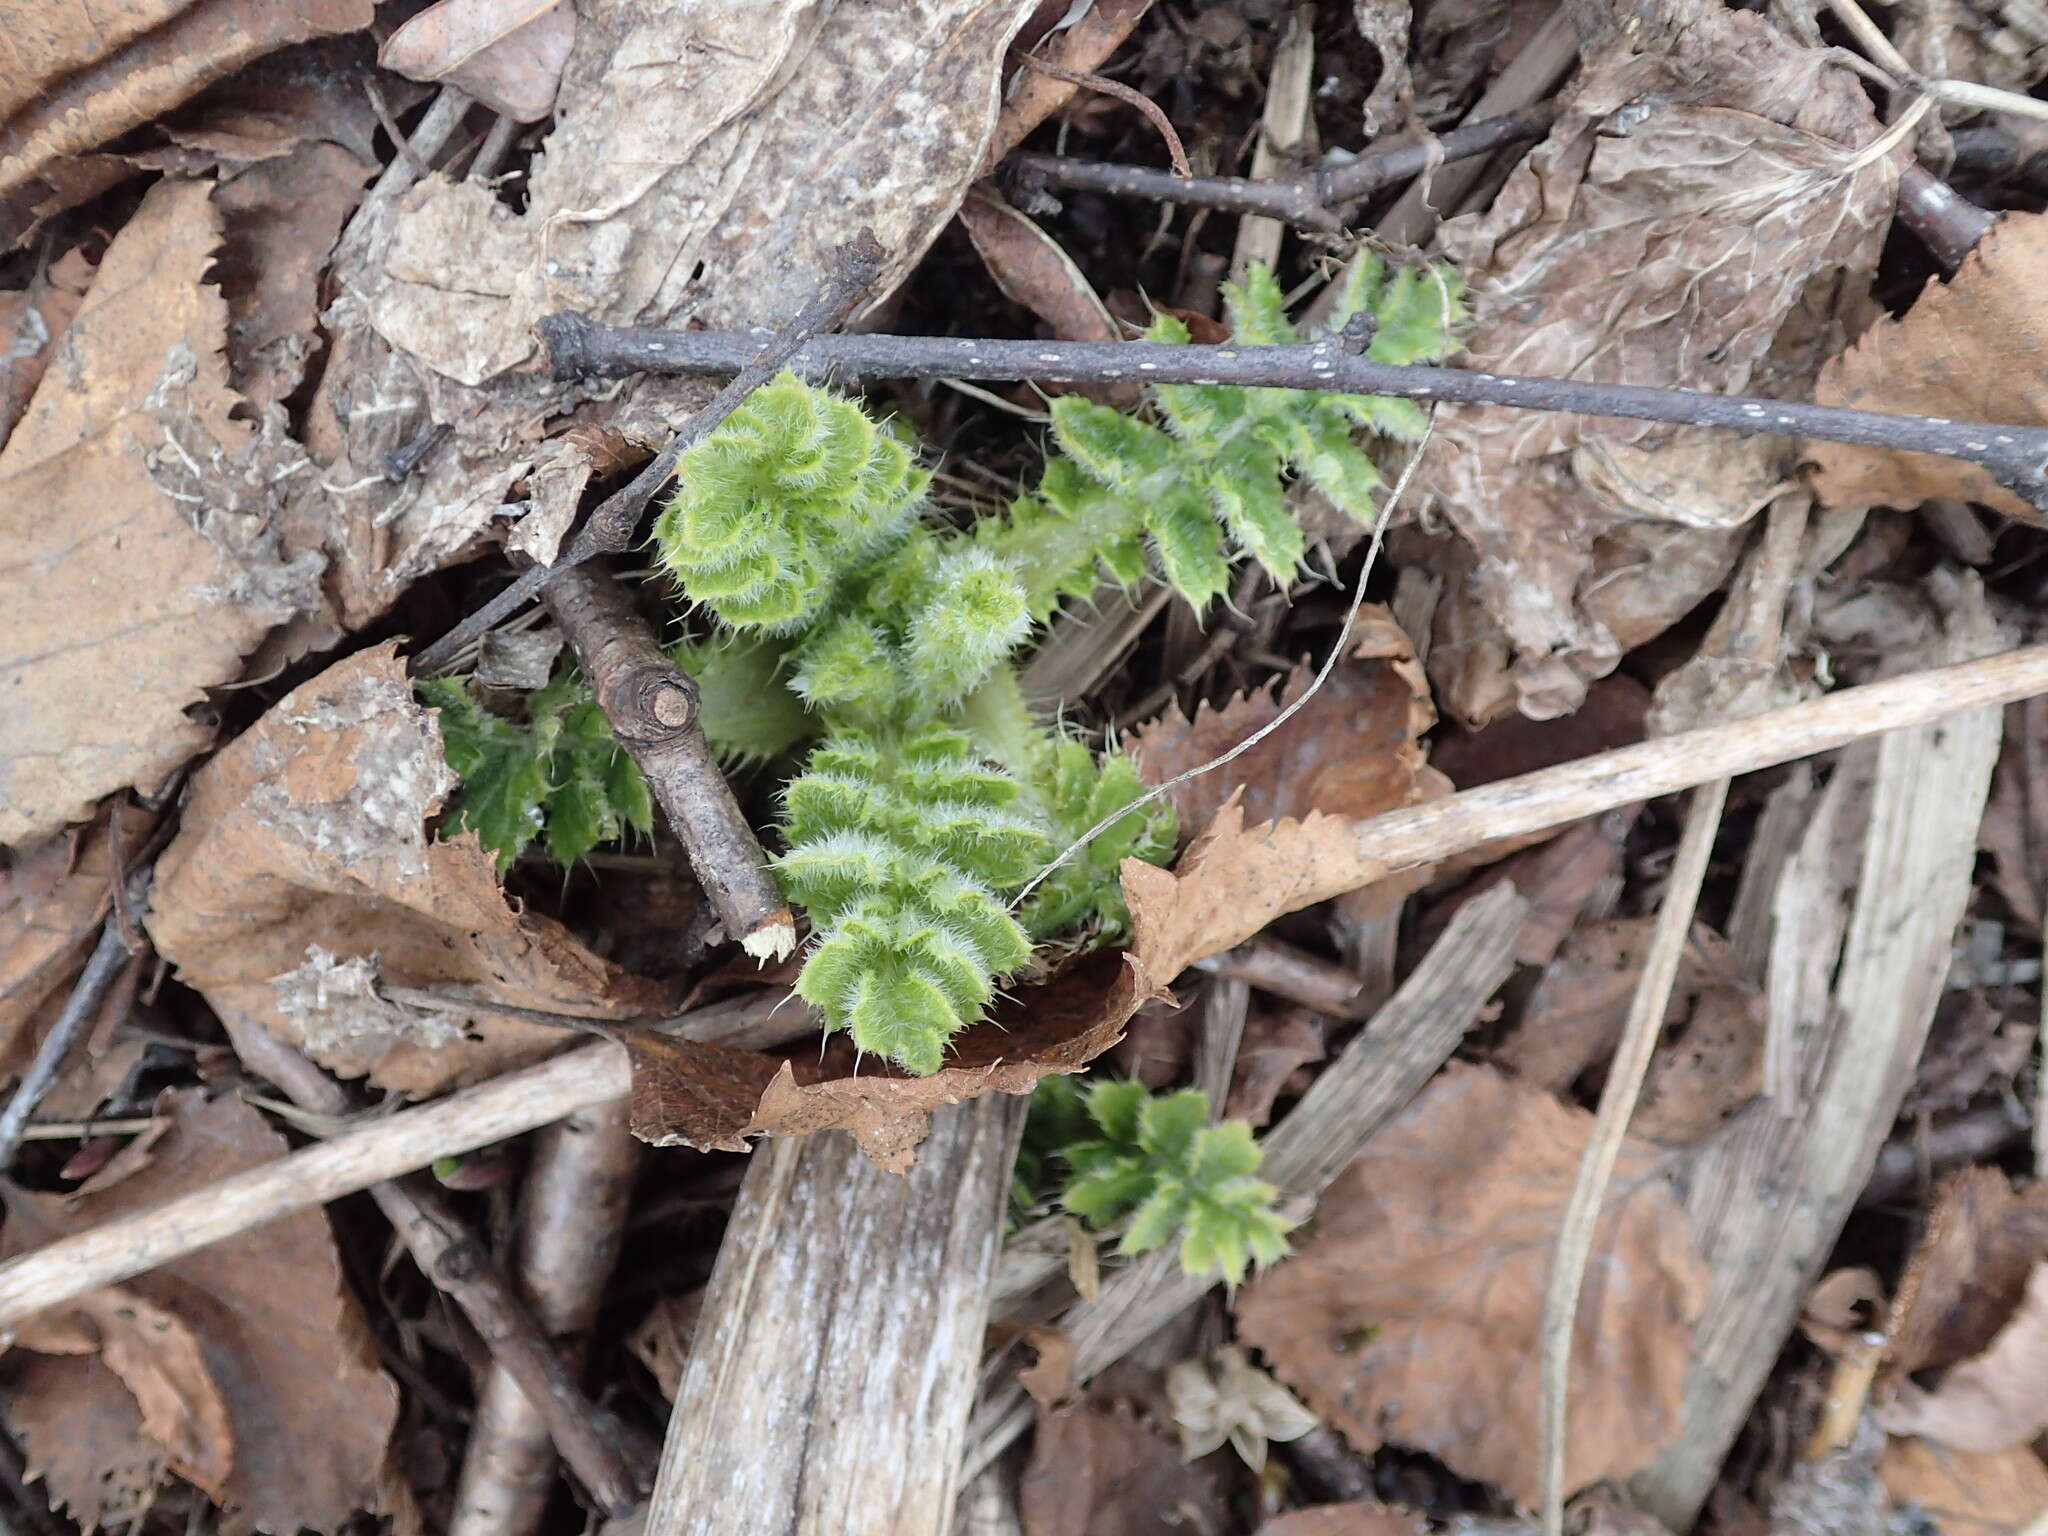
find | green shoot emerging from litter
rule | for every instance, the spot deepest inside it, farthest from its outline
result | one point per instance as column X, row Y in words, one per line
column 845, row 617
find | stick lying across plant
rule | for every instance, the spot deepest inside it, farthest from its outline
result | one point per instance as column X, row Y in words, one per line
column 580, row 348
column 1399, row 840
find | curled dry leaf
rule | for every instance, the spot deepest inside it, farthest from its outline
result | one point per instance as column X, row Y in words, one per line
column 303, row 879
column 145, row 509
column 1691, row 220
column 1963, row 1494
column 1033, row 271
column 1276, row 1044
column 31, row 321
column 78, row 76
column 1994, row 1401
column 1098, row 1471
column 1968, row 1273
column 244, row 1367
column 1354, row 749
column 508, row 54
column 52, row 899
column 1411, row 1313
column 1972, row 348
column 1033, row 96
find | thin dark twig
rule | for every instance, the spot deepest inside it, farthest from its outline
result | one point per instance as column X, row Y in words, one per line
column 1145, row 104
column 609, row 530
column 2017, row 457
column 652, row 707
column 1311, row 202
column 108, row 958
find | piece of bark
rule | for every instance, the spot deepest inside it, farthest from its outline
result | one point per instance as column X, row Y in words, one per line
column 1770, row 1193
column 837, row 1352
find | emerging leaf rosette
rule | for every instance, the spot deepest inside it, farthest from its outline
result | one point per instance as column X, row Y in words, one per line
column 793, row 489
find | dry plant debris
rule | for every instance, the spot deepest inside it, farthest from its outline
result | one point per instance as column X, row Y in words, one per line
column 1970, row 347
column 1103, row 1472
column 1685, row 214
column 303, row 882
column 245, row 1369
column 268, row 377
column 1410, row 1313
column 168, row 570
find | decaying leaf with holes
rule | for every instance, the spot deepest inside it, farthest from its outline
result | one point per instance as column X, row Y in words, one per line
column 1694, row 219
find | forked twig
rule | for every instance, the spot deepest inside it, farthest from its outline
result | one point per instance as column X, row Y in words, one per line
column 1312, row 202
column 2014, row 455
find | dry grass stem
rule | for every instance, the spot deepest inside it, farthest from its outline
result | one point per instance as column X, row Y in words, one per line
column 1624, row 1087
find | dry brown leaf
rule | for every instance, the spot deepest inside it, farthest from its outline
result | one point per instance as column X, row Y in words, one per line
column 1710, row 1062
column 279, row 1344
column 1691, row 220
column 1411, row 1313
column 1971, row 348
column 144, row 509
column 1050, row 1378
column 303, row 876
column 1360, row 1517
column 52, row 900
column 283, row 216
column 1276, row 1044
column 1354, row 749
column 31, row 321
column 1034, row 96
column 1962, row 1494
column 1034, row 271
column 1100, row 1472
column 1968, row 1272
column 159, row 1360
column 72, row 78
column 508, row 54
column 1992, row 1401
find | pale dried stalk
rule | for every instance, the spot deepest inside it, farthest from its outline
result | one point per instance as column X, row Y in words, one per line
column 1624, row 1087
column 1283, row 131
column 1399, row 840
column 572, row 1219
column 1369, row 1082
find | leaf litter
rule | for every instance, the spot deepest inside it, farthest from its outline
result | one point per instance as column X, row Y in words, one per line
column 1701, row 215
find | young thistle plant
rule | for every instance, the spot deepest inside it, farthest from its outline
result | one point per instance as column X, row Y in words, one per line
column 931, row 796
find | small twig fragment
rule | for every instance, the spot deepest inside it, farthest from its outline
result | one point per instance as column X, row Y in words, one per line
column 108, row 958
column 1175, row 151
column 459, row 1265
column 571, row 1220
column 652, row 707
